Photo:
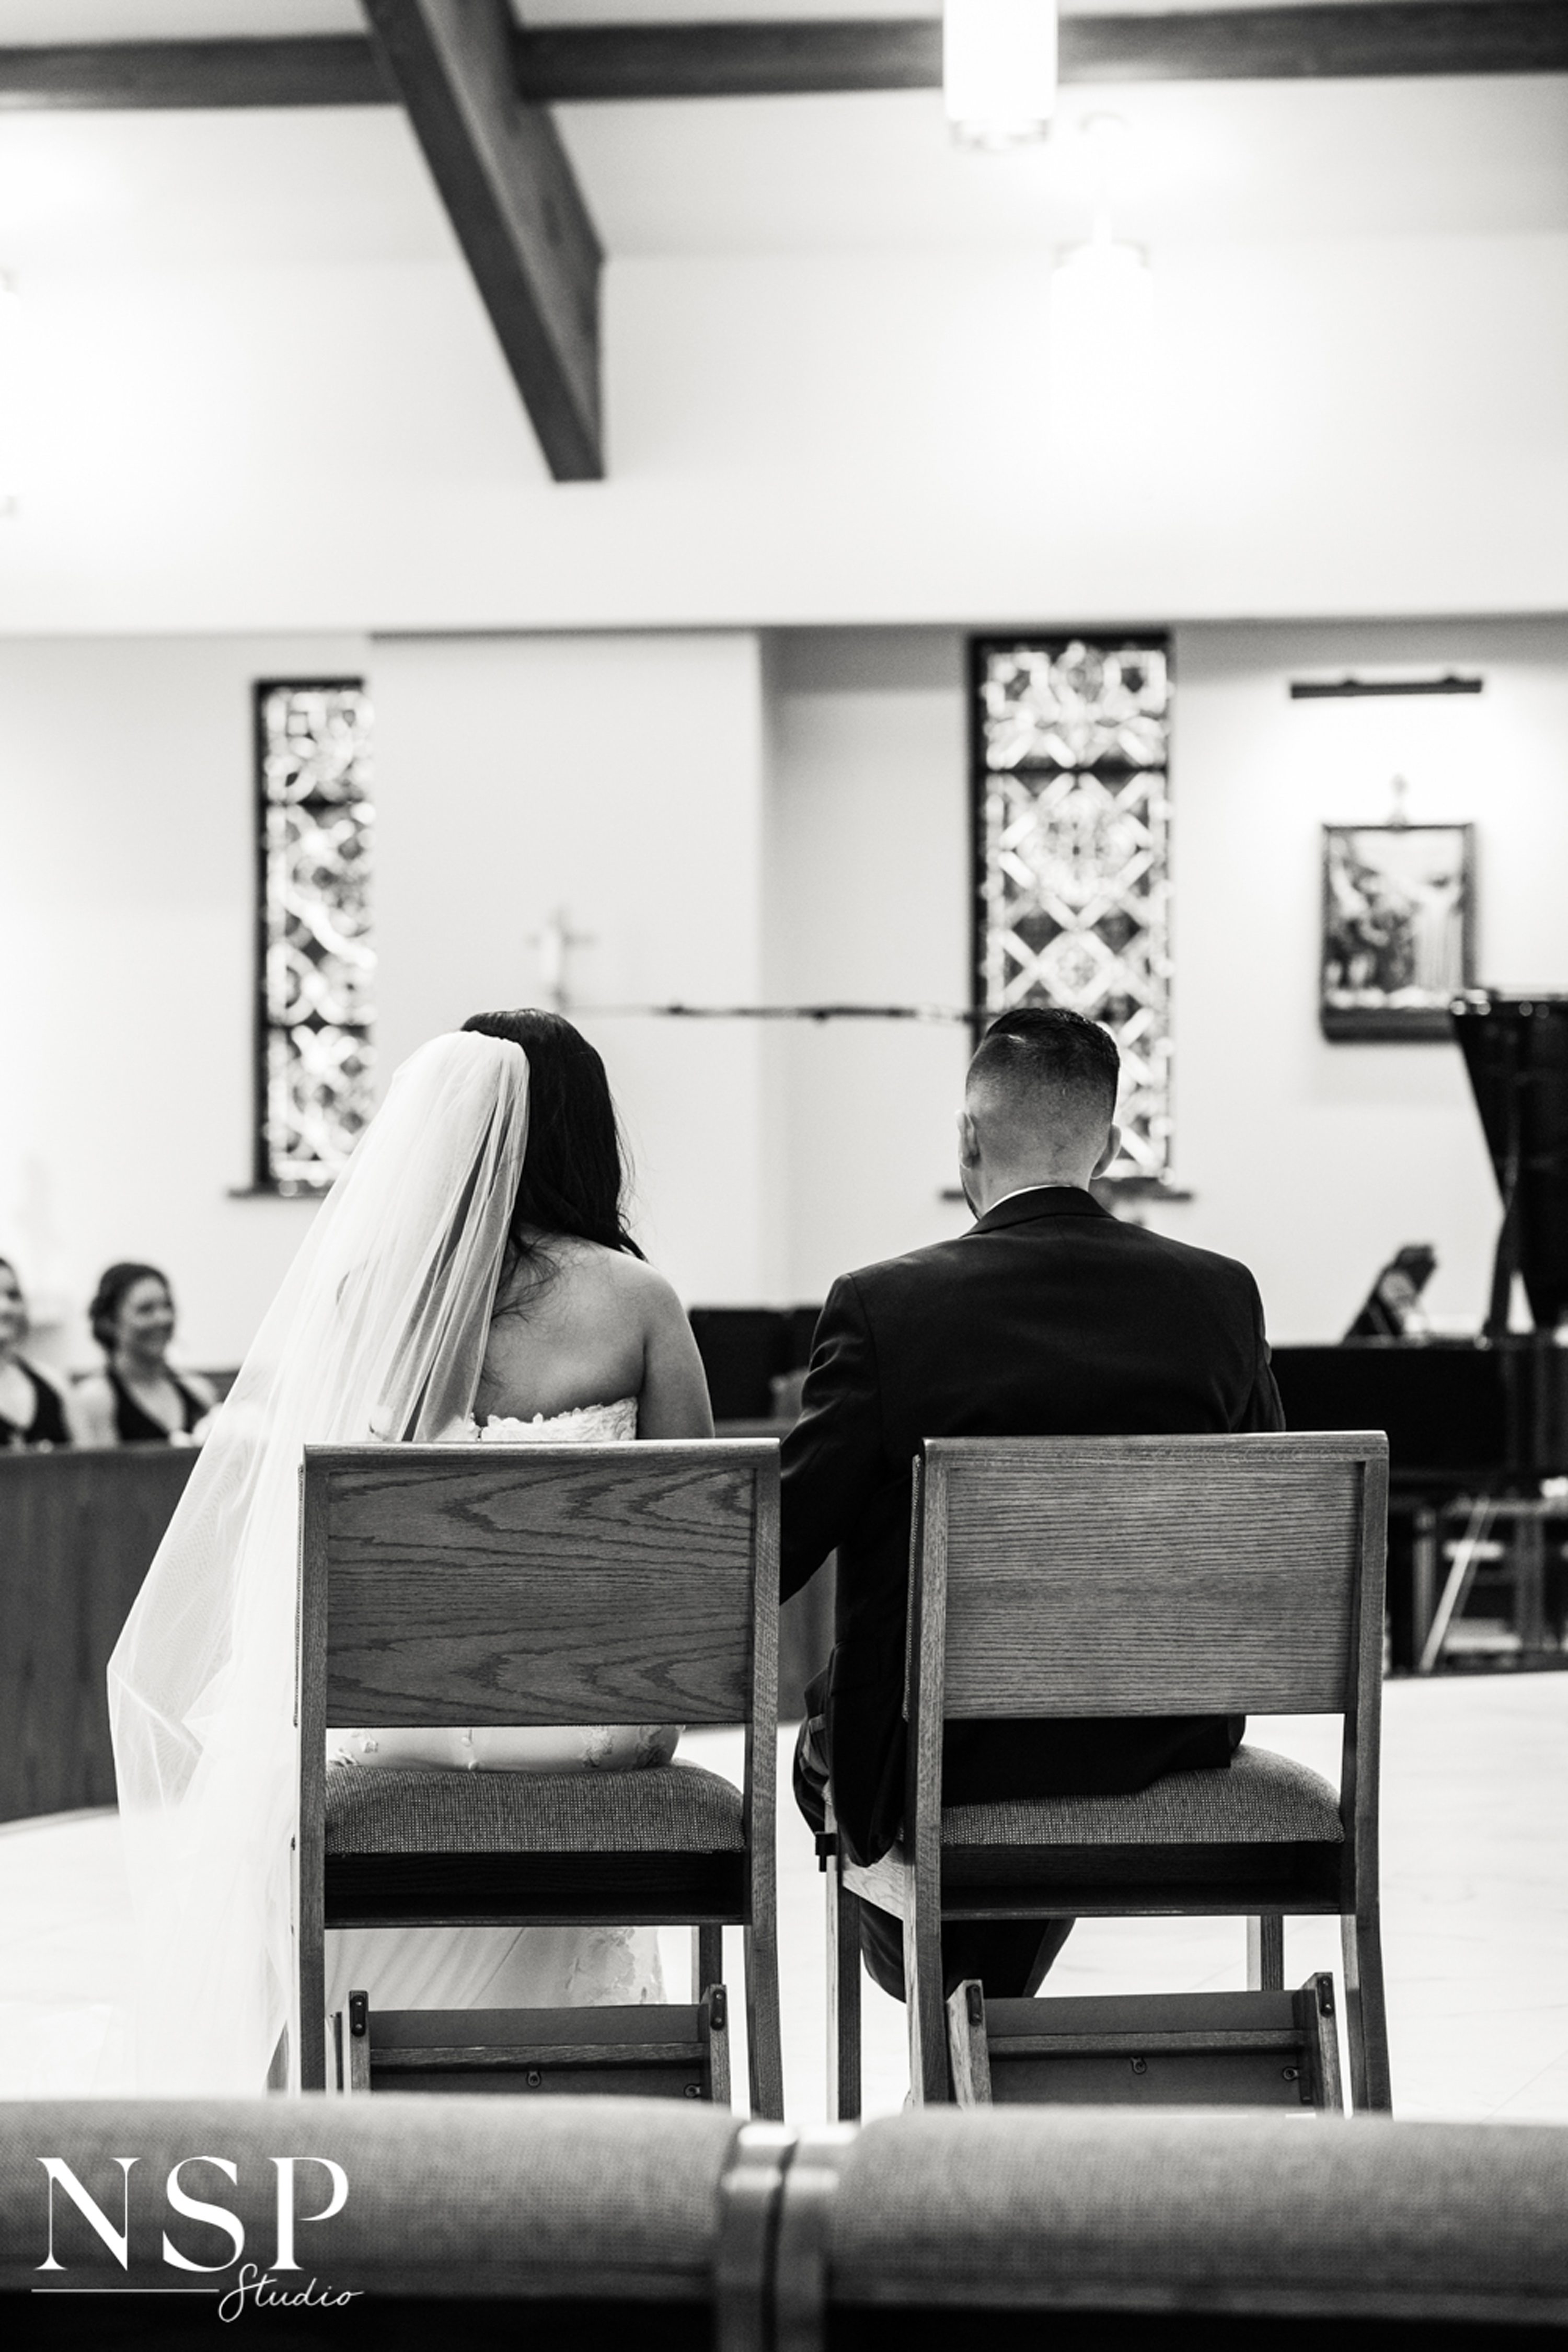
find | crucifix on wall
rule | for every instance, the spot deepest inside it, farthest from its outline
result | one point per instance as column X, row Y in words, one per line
column 552, row 946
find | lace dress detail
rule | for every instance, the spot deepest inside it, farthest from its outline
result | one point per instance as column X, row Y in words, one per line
column 506, row 1967
column 585, row 1424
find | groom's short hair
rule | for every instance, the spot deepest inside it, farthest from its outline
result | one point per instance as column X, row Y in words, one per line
column 1041, row 1059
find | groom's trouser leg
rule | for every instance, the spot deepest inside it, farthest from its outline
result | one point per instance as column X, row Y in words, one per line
column 1010, row 1957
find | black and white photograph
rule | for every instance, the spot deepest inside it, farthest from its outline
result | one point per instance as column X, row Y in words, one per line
column 784, row 1173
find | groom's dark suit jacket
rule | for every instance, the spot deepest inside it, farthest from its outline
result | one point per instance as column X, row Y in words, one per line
column 1049, row 1318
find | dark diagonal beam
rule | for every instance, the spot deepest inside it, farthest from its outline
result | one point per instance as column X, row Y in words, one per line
column 519, row 215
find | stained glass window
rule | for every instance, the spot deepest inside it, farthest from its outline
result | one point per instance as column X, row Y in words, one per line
column 316, row 962
column 1071, row 737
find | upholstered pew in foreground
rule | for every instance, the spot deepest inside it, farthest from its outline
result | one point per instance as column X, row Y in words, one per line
column 1092, row 2227
column 469, row 2222
column 601, row 2225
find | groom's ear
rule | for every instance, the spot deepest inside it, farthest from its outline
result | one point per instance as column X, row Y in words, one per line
column 1112, row 1146
column 968, row 1142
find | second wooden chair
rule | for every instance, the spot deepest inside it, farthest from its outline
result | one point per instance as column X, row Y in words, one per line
column 1129, row 1576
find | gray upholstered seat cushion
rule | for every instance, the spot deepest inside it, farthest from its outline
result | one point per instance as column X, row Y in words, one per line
column 1262, row 1799
column 669, row 1809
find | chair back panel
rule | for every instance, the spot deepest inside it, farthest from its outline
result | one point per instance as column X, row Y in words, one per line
column 534, row 1585
column 1147, row 1576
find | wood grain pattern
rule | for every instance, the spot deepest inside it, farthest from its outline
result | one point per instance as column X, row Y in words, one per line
column 1134, row 1576
column 544, row 1585
column 926, row 1651
column 77, row 1532
column 529, row 1586
column 764, row 2021
column 968, row 2052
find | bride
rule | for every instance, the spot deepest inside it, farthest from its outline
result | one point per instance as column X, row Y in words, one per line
column 470, row 1277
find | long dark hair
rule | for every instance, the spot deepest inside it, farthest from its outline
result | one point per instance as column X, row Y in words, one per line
column 574, row 1170
column 116, row 1280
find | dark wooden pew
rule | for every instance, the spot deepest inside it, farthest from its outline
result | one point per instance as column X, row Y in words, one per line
column 77, row 1532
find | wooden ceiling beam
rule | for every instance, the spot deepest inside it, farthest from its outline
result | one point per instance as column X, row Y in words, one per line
column 513, row 201
column 1386, row 39
column 332, row 71
column 587, row 63
column 583, row 63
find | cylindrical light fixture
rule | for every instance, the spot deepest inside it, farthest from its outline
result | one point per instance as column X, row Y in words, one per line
column 10, row 393
column 999, row 69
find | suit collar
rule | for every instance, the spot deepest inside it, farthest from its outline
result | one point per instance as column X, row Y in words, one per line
column 1044, row 1201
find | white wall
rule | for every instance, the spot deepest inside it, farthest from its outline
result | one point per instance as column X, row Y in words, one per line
column 127, row 928
column 621, row 777
column 1368, row 424
column 867, row 902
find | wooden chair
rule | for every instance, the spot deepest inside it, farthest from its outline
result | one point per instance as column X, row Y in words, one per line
column 541, row 1585
column 1116, row 1576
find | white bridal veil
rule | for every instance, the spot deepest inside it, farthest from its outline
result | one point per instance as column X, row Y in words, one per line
column 377, row 1333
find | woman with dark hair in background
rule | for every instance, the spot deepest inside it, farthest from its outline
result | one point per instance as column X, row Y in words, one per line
column 138, row 1399
column 32, row 1411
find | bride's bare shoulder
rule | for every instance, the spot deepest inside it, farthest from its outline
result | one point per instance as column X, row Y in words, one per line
column 587, row 1276
column 637, row 1286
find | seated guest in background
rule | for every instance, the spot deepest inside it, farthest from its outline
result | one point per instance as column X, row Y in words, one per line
column 32, row 1411
column 138, row 1399
column 1048, row 1317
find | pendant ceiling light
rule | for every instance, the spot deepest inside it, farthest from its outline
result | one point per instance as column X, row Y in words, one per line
column 1102, row 289
column 10, row 393
column 999, row 69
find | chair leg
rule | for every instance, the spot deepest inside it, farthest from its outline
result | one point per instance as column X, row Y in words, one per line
column 1266, row 1953
column 930, row 2080
column 968, row 2051
column 764, row 2047
column 843, row 2000
column 707, row 1959
column 1366, row 2015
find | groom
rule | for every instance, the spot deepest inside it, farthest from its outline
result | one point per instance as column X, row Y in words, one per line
column 1048, row 1317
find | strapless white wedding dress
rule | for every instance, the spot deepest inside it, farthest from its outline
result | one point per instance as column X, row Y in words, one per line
column 505, row 1968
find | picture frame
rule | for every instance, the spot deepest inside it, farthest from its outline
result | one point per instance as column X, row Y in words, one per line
column 1398, row 929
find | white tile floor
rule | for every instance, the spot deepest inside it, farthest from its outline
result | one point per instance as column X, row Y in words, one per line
column 1475, row 1824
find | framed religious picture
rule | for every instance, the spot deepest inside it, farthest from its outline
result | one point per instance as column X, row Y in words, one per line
column 1398, row 928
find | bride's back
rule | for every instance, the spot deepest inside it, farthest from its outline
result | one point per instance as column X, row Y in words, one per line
column 570, row 1328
